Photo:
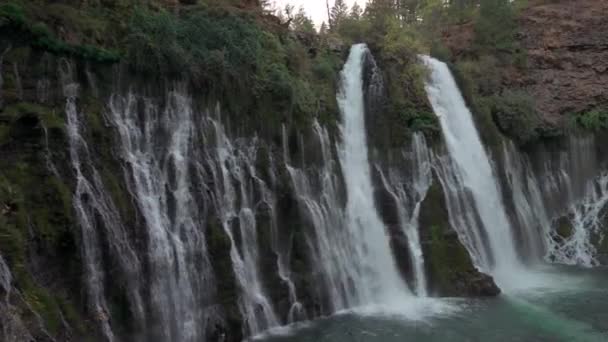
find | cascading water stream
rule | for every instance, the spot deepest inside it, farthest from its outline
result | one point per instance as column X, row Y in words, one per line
column 474, row 169
column 233, row 164
column 409, row 195
column 157, row 146
column 421, row 182
column 376, row 279
column 586, row 219
column 565, row 198
column 532, row 216
column 95, row 211
column 322, row 208
column 6, row 279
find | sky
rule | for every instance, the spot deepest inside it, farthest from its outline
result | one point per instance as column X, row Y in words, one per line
column 316, row 9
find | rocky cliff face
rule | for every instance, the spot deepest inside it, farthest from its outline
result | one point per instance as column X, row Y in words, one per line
column 566, row 47
column 132, row 208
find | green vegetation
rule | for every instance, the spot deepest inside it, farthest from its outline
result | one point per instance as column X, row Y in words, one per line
column 232, row 56
column 24, row 211
column 447, row 261
column 14, row 18
column 515, row 115
column 30, row 227
column 593, row 120
column 495, row 26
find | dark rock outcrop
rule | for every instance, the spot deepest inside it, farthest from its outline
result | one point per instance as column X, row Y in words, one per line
column 448, row 265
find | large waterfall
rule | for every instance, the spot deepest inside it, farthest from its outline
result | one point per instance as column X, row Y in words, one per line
column 223, row 232
column 473, row 166
column 377, row 277
column 504, row 238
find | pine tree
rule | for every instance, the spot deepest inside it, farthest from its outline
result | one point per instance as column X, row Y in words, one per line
column 323, row 30
column 301, row 21
column 338, row 13
column 495, row 28
column 356, row 11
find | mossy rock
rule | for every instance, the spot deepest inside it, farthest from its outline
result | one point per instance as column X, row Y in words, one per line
column 219, row 246
column 49, row 117
column 448, row 265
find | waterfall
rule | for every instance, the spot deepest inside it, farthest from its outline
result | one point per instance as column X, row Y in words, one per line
column 565, row 193
column 473, row 168
column 526, row 194
column 575, row 195
column 586, row 219
column 376, row 279
column 421, row 182
column 409, row 194
column 157, row 146
column 185, row 172
column 6, row 279
column 318, row 198
column 235, row 163
column 96, row 212
column 543, row 192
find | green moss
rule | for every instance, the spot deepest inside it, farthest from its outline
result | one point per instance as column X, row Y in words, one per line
column 449, row 257
column 219, row 245
column 72, row 316
column 48, row 116
column 447, row 260
column 45, row 305
column 34, row 201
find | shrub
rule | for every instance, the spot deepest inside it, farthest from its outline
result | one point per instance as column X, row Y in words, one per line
column 440, row 51
column 515, row 115
column 495, row 27
column 481, row 76
column 595, row 119
column 12, row 14
column 39, row 35
column 426, row 122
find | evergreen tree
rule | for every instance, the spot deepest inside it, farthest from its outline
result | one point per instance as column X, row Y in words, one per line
column 338, row 13
column 356, row 11
column 301, row 22
column 495, row 27
column 462, row 10
column 323, row 30
column 408, row 9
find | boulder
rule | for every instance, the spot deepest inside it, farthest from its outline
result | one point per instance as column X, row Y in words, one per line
column 449, row 267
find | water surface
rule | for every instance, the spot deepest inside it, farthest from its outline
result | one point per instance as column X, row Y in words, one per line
column 572, row 305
